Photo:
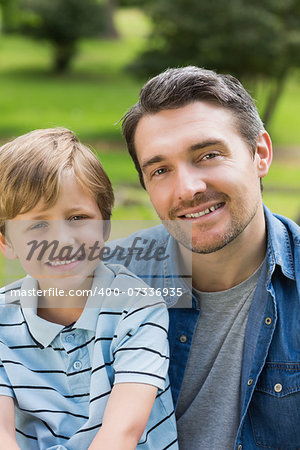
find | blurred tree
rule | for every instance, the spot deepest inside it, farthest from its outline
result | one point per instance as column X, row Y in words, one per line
column 111, row 7
column 63, row 23
column 257, row 41
column 9, row 10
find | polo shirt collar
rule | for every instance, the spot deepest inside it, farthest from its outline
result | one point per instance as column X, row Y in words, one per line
column 42, row 331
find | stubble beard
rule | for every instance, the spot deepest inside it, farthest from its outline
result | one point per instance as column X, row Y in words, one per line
column 182, row 232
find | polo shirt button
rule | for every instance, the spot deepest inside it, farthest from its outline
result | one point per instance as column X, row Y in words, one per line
column 77, row 365
column 69, row 338
column 183, row 338
column 278, row 387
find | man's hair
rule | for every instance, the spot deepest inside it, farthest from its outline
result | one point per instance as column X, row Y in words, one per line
column 178, row 87
column 32, row 167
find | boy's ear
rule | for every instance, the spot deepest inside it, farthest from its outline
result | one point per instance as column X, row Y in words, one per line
column 263, row 154
column 7, row 248
column 106, row 230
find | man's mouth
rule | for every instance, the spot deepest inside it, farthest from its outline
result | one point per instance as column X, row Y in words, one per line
column 202, row 213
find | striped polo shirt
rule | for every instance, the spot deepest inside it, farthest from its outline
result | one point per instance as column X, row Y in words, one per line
column 61, row 376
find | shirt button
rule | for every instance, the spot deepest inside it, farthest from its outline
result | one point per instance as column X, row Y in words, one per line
column 183, row 338
column 278, row 387
column 69, row 338
column 250, row 381
column 77, row 365
column 268, row 320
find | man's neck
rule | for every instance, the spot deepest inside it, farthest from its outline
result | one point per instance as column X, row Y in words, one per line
column 234, row 263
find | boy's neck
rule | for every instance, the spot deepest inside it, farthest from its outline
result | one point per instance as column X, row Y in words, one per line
column 62, row 316
column 62, row 309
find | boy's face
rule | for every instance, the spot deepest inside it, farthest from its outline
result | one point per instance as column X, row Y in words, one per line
column 54, row 244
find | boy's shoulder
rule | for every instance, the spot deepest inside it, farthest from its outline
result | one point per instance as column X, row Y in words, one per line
column 125, row 279
column 11, row 292
column 131, row 290
column 10, row 306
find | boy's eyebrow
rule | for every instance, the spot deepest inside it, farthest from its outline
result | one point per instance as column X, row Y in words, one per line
column 198, row 146
column 41, row 216
column 44, row 216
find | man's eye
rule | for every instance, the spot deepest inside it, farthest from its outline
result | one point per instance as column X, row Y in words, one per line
column 159, row 172
column 209, row 156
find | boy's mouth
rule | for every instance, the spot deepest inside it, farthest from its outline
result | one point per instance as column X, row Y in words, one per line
column 61, row 262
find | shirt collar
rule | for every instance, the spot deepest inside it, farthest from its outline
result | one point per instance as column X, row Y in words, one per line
column 279, row 251
column 42, row 331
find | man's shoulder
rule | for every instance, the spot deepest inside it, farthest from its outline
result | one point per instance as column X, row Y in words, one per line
column 280, row 226
column 143, row 252
column 145, row 236
column 283, row 243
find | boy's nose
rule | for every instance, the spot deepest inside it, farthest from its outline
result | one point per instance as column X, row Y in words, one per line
column 61, row 232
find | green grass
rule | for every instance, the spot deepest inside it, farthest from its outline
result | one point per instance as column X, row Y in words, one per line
column 97, row 91
column 89, row 100
column 95, row 95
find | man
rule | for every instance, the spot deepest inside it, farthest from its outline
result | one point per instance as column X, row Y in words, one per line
column 201, row 150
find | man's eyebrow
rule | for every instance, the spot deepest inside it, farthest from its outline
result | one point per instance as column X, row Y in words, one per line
column 205, row 144
column 151, row 161
column 198, row 146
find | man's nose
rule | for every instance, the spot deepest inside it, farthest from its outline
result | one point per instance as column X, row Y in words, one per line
column 190, row 181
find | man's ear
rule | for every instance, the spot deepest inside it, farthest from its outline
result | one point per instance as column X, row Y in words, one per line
column 106, row 230
column 6, row 248
column 263, row 154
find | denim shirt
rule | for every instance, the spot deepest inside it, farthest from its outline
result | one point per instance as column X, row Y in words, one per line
column 270, row 382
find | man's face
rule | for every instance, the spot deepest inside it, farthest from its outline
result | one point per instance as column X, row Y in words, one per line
column 200, row 174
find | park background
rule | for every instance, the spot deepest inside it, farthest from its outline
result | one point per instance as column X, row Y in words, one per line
column 81, row 65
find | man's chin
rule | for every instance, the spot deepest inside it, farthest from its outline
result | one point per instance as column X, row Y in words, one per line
column 209, row 243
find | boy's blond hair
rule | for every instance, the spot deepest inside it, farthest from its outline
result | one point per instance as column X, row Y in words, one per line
column 32, row 166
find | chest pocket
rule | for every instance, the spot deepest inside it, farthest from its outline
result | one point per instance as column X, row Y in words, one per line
column 275, row 407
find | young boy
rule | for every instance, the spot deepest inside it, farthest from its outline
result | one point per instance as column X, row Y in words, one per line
column 83, row 345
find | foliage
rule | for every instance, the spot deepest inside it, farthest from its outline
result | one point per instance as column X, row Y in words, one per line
column 257, row 40
column 9, row 15
column 63, row 23
column 95, row 95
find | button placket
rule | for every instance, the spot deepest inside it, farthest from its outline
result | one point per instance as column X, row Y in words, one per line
column 69, row 338
column 183, row 338
column 77, row 365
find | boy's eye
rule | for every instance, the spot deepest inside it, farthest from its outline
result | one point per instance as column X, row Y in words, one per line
column 78, row 217
column 38, row 225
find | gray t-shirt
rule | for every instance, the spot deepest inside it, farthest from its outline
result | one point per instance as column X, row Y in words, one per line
column 208, row 410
